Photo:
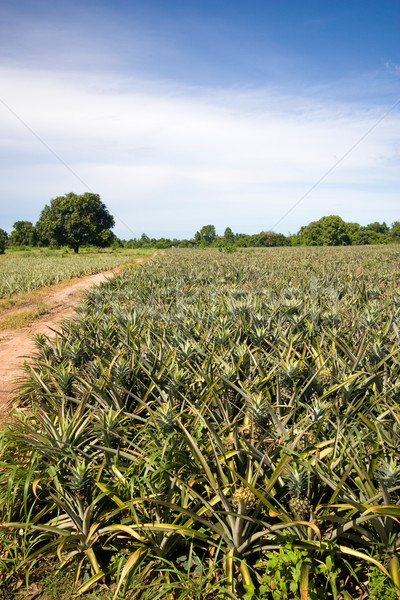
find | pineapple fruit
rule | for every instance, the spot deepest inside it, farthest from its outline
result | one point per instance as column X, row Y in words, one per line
column 243, row 500
column 297, row 484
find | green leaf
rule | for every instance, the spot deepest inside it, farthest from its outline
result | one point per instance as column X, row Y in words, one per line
column 132, row 561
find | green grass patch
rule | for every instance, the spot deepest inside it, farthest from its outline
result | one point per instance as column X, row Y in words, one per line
column 23, row 318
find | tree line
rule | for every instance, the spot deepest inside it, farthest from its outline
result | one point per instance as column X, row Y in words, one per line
column 76, row 221
column 327, row 231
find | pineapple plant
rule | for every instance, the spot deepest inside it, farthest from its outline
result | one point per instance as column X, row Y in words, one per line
column 112, row 427
column 289, row 375
column 76, row 354
column 172, row 363
column 317, row 411
column 64, row 380
column 229, row 374
column 297, row 483
column 121, row 373
column 256, row 419
column 165, row 417
column 79, row 481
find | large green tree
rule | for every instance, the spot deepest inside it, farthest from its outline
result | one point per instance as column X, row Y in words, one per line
column 74, row 221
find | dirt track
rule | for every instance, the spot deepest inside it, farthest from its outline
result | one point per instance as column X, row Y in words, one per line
column 17, row 345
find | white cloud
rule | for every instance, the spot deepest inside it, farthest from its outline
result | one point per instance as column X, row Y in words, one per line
column 166, row 159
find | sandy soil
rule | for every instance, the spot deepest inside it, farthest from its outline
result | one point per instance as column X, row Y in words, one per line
column 17, row 345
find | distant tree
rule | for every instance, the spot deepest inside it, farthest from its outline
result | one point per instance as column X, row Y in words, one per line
column 74, row 221
column 378, row 227
column 3, row 240
column 366, row 236
column 294, row 239
column 353, row 230
column 163, row 243
column 144, row 241
column 242, row 240
column 269, row 239
column 395, row 232
column 282, row 240
column 328, row 231
column 265, row 238
column 206, row 236
column 134, row 243
column 186, row 244
column 229, row 236
column 23, row 234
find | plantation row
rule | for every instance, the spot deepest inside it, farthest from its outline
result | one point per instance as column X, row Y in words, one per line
column 25, row 271
column 215, row 426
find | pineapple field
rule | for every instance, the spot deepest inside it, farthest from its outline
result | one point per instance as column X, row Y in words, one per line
column 25, row 271
column 210, row 426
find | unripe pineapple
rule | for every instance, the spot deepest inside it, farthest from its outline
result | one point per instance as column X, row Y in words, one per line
column 285, row 392
column 258, row 434
column 297, row 484
column 80, row 480
column 388, row 474
column 165, row 418
column 243, row 500
column 269, row 444
column 231, row 395
column 252, row 433
column 258, row 410
column 326, row 376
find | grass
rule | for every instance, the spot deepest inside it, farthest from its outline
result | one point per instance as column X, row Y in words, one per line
column 23, row 317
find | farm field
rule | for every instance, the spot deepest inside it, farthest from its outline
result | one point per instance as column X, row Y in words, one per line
column 28, row 270
column 214, row 426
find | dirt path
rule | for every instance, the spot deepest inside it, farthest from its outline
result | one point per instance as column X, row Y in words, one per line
column 17, row 345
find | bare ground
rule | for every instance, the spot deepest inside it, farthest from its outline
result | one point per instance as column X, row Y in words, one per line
column 17, row 345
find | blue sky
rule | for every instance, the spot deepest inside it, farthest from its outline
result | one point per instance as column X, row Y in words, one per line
column 181, row 113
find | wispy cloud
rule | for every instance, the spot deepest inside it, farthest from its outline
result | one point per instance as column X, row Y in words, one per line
column 167, row 158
